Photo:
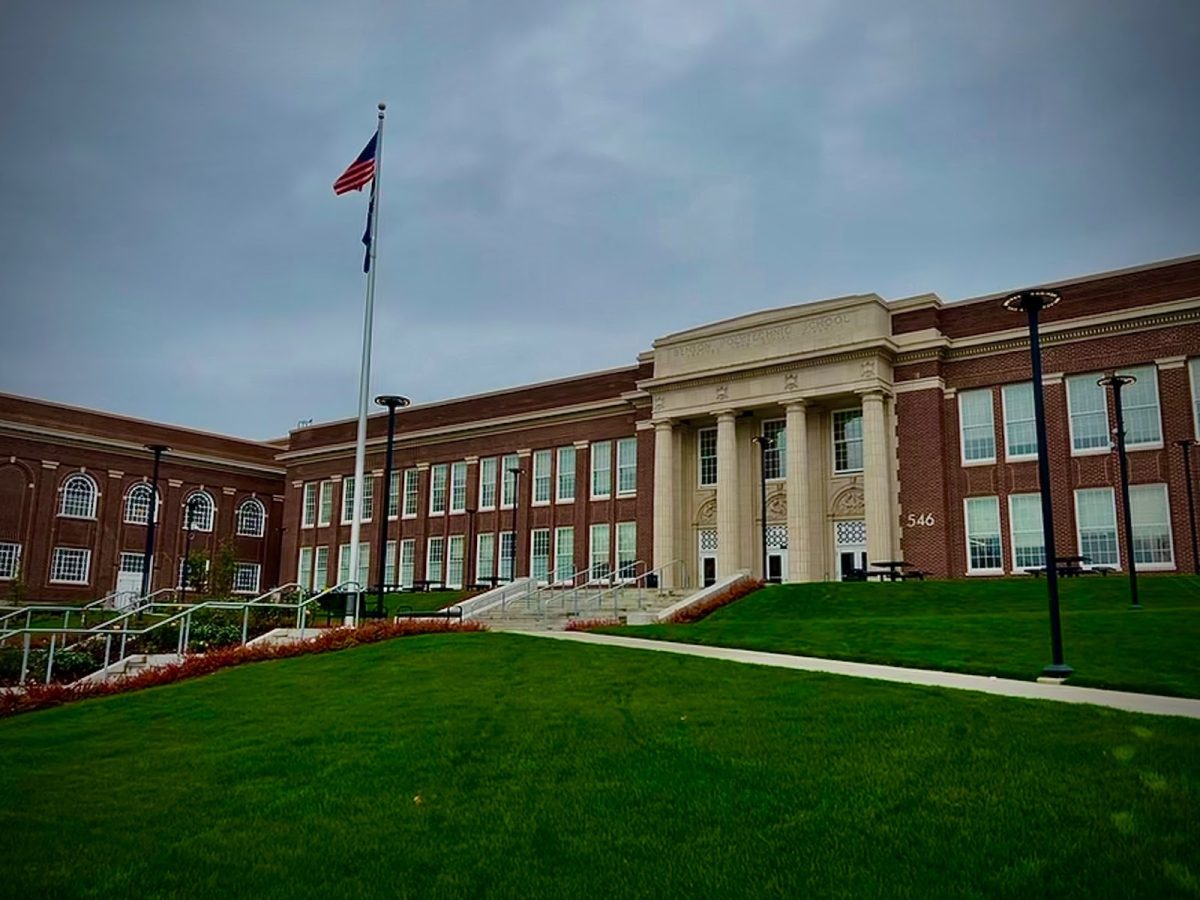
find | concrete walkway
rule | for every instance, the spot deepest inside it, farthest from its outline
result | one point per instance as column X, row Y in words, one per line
column 988, row 684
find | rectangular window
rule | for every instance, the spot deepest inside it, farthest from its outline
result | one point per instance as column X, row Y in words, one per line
column 487, row 483
column 389, row 564
column 408, row 559
column 309, row 516
column 1194, row 366
column 10, row 560
column 1151, row 519
column 412, row 492
column 508, row 549
column 627, row 466
column 1088, row 414
column 706, row 440
column 1020, row 430
column 364, row 565
column 454, row 561
column 976, row 428
column 437, row 490
column 1096, row 524
column 304, row 568
column 508, row 490
column 775, row 456
column 434, row 557
column 847, row 441
column 541, row 477
column 626, row 549
column 70, row 565
column 601, row 470
column 246, row 577
column 1139, row 408
column 394, row 496
column 539, row 545
column 458, row 487
column 326, row 510
column 321, row 569
column 368, row 500
column 983, row 535
column 599, row 552
column 132, row 562
column 1025, row 524
column 564, row 553
column 566, row 475
column 485, row 557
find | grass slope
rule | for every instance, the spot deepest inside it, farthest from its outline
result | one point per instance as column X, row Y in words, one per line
column 994, row 627
column 510, row 766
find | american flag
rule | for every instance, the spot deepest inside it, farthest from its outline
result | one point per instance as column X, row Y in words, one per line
column 360, row 171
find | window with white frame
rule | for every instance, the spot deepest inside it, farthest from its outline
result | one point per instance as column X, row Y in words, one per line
column 78, row 497
column 326, row 512
column 601, row 469
column 539, row 560
column 389, row 563
column 485, row 557
column 304, row 568
column 454, row 561
column 847, row 441
column 199, row 511
column 69, row 565
column 1150, row 515
column 627, row 466
column 134, row 563
column 487, row 483
column 564, row 553
column 368, row 500
column 599, row 554
column 321, row 569
column 508, row 489
column 1194, row 366
column 437, row 490
column 626, row 550
column 458, row 487
column 541, row 477
column 508, row 556
column 1025, row 524
column 393, row 503
column 1020, row 429
column 706, row 441
column 566, row 475
column 1139, row 408
column 251, row 518
column 775, row 456
column 245, row 577
column 408, row 561
column 308, row 516
column 137, row 505
column 1096, row 526
column 412, row 492
column 10, row 560
column 1087, row 410
column 976, row 428
column 364, row 564
column 435, row 553
column 984, row 553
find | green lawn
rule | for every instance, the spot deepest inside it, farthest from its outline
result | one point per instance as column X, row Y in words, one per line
column 507, row 766
column 989, row 627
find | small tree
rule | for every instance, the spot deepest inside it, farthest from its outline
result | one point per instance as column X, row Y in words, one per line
column 16, row 587
column 220, row 576
column 195, row 570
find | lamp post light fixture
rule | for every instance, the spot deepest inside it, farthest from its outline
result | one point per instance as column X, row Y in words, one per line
column 189, row 524
column 764, row 444
column 1186, row 446
column 1032, row 303
column 516, row 474
column 392, row 402
column 1116, row 382
column 147, row 557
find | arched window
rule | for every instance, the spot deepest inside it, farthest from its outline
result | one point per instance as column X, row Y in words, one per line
column 251, row 518
column 198, row 511
column 137, row 505
column 78, row 498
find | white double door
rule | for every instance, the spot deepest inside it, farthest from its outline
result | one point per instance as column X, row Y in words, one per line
column 129, row 576
column 849, row 546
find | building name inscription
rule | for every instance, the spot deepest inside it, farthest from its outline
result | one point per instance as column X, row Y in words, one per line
column 762, row 337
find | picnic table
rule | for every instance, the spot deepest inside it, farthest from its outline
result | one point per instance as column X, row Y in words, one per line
column 425, row 585
column 893, row 570
column 1069, row 567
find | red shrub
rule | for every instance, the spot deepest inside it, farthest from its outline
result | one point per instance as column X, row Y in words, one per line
column 735, row 591
column 589, row 624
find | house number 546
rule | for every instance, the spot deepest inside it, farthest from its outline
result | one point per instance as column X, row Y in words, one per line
column 923, row 519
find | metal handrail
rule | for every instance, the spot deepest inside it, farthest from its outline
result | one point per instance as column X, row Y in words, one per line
column 617, row 590
column 542, row 594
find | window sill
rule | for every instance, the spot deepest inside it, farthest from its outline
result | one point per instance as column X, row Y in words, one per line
column 972, row 573
column 565, row 500
column 82, row 518
column 1092, row 451
column 1133, row 448
column 61, row 581
column 843, row 472
column 1019, row 459
column 601, row 497
column 969, row 463
column 626, row 493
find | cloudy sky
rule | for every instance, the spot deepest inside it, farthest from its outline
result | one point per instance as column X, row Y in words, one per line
column 562, row 182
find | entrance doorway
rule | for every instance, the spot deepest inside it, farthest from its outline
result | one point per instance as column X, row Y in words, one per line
column 850, row 546
column 777, row 551
column 708, row 557
column 129, row 575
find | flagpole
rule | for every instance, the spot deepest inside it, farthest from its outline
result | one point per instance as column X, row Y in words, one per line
column 364, row 386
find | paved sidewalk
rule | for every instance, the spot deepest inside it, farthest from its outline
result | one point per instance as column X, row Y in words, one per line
column 988, row 684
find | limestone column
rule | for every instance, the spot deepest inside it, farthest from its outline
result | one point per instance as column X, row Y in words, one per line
column 799, row 544
column 664, row 502
column 877, row 481
column 728, row 507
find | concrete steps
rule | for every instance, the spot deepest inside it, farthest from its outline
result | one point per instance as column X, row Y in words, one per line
column 132, row 665
column 629, row 608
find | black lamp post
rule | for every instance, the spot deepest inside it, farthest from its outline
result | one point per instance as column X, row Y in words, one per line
column 158, row 450
column 1032, row 303
column 1186, row 446
column 470, row 563
column 516, row 474
column 392, row 402
column 189, row 523
column 1116, row 382
column 764, row 444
